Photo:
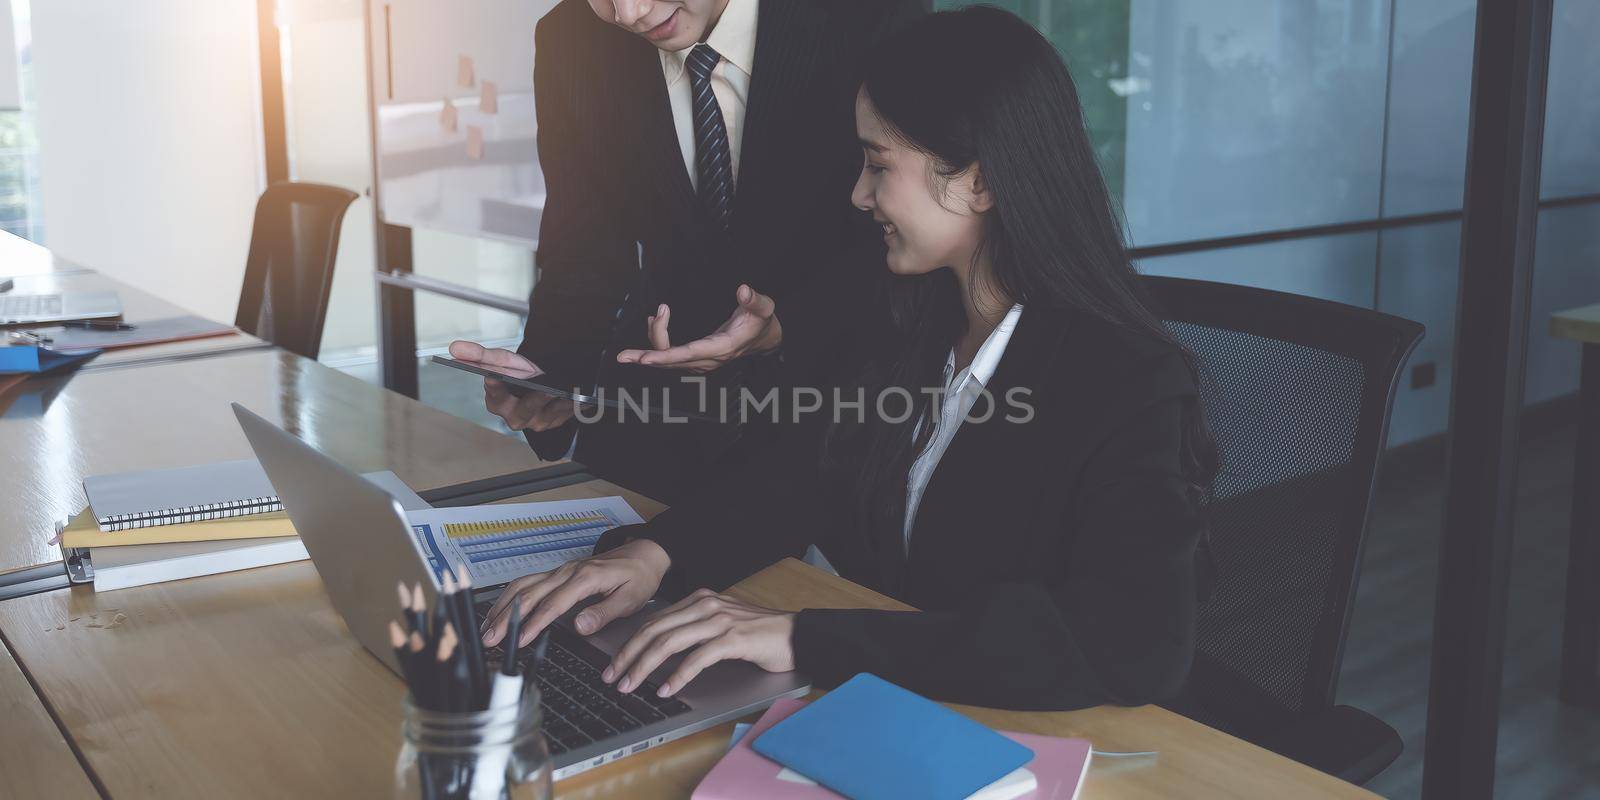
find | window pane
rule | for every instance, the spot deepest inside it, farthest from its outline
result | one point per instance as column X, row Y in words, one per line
column 1253, row 115
column 1430, row 88
column 1092, row 36
column 1572, row 102
column 325, row 101
column 1566, row 274
column 1336, row 268
column 1420, row 275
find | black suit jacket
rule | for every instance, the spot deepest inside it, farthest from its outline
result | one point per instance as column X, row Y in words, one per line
column 623, row 230
column 1053, row 560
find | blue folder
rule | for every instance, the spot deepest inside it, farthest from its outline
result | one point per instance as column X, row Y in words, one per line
column 34, row 359
column 870, row 739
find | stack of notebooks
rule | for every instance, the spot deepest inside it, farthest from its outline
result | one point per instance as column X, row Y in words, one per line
column 161, row 525
column 872, row 740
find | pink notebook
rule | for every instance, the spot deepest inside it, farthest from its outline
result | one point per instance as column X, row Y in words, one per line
column 1058, row 765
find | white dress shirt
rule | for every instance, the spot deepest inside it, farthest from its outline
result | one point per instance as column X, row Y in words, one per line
column 961, row 391
column 734, row 37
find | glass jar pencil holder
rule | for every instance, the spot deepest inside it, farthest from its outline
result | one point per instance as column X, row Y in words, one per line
column 473, row 755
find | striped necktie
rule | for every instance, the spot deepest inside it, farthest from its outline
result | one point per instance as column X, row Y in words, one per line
column 713, row 161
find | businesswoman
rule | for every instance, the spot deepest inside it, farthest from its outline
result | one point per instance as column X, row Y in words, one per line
column 1040, row 501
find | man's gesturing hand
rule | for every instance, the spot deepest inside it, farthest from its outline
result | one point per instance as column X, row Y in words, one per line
column 752, row 329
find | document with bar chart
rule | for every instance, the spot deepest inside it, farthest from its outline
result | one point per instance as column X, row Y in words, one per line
column 499, row 543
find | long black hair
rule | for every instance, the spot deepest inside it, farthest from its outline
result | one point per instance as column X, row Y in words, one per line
column 980, row 86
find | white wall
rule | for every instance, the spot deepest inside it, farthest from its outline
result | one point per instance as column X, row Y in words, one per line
column 150, row 141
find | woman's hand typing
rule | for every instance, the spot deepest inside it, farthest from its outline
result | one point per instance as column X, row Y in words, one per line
column 627, row 576
column 713, row 627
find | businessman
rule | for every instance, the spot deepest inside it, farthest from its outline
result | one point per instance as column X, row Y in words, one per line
column 698, row 159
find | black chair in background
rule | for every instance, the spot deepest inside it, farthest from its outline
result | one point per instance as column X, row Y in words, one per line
column 1298, row 393
column 289, row 272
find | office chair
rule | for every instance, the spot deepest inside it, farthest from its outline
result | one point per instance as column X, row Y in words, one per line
column 289, row 272
column 1297, row 392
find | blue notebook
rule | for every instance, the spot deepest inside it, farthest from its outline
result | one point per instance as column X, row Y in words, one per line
column 869, row 739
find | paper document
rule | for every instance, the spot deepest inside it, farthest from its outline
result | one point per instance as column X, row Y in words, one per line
column 499, row 543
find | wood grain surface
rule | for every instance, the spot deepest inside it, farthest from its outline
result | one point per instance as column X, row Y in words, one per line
column 35, row 760
column 247, row 685
column 60, row 430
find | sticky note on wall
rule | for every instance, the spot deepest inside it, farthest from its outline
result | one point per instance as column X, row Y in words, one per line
column 465, row 77
column 474, row 142
column 448, row 117
column 489, row 101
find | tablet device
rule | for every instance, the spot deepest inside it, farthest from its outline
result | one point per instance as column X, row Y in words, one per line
column 522, row 382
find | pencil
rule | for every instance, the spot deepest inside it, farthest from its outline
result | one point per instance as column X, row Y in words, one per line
column 472, row 646
column 450, row 601
column 449, row 696
column 410, row 617
column 418, row 616
column 436, row 620
column 451, row 693
column 508, row 667
column 397, row 638
column 421, row 686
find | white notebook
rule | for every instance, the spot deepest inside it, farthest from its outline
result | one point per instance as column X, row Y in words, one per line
column 185, row 494
column 122, row 567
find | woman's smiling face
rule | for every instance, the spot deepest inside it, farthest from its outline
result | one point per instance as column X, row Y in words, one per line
column 929, row 220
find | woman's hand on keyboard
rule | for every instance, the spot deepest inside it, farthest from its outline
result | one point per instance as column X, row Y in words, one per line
column 713, row 627
column 627, row 576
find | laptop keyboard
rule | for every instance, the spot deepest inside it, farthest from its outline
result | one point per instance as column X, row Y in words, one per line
column 578, row 707
column 29, row 306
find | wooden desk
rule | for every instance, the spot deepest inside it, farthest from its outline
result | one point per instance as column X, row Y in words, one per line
column 247, row 685
column 35, row 760
column 137, row 306
column 60, row 430
column 1580, row 642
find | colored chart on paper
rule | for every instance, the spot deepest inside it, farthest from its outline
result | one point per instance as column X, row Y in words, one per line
column 499, row 543
column 529, row 538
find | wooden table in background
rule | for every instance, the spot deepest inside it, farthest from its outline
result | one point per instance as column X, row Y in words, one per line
column 137, row 306
column 1580, row 643
column 171, row 414
column 248, row 685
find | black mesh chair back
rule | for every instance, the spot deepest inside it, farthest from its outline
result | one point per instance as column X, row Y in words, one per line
column 289, row 273
column 1297, row 392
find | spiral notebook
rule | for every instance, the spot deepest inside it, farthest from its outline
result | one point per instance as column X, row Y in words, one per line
column 173, row 496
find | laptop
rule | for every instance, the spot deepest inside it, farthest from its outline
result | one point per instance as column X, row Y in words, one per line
column 361, row 544
column 33, row 309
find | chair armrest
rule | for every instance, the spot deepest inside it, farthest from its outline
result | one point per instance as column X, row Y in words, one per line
column 1342, row 741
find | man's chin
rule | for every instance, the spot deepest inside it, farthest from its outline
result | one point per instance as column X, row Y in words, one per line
column 676, row 43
